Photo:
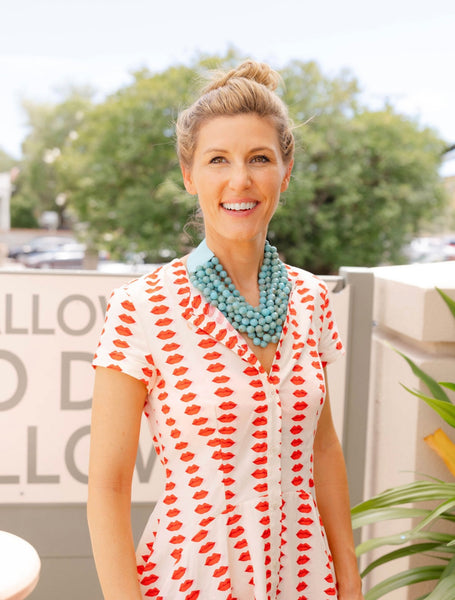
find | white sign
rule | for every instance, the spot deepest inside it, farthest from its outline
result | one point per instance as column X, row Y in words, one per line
column 49, row 329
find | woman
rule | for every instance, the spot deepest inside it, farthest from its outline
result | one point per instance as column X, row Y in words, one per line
column 225, row 352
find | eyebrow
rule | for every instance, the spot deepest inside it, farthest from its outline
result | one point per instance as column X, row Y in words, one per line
column 258, row 149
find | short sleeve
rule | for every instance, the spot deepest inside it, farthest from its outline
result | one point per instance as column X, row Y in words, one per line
column 330, row 344
column 123, row 344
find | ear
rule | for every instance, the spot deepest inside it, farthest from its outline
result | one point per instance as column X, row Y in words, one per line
column 188, row 180
column 287, row 177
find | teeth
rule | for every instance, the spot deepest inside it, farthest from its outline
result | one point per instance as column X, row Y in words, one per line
column 239, row 205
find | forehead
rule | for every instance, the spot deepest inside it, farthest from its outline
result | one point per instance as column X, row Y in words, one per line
column 237, row 131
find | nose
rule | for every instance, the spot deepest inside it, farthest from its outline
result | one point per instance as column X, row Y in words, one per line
column 239, row 177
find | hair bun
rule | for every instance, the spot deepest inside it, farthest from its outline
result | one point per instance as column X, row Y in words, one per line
column 249, row 69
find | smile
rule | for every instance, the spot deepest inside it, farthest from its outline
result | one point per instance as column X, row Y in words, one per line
column 239, row 205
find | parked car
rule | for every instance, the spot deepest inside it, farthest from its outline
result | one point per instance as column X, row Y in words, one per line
column 41, row 243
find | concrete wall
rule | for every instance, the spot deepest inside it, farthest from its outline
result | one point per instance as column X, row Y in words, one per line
column 411, row 317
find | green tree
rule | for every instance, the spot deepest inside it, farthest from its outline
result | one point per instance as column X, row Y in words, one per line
column 52, row 127
column 363, row 182
column 7, row 162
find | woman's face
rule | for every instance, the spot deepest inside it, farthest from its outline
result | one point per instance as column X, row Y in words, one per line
column 238, row 174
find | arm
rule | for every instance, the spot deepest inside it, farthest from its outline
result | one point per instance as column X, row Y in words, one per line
column 333, row 502
column 118, row 401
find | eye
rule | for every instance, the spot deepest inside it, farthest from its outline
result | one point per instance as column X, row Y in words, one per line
column 217, row 160
column 260, row 158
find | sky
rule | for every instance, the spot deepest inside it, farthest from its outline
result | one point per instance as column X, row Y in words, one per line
column 401, row 51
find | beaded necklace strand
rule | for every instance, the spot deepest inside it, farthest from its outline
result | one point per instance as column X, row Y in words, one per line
column 262, row 324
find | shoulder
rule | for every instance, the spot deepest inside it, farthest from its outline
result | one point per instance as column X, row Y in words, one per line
column 304, row 280
column 140, row 288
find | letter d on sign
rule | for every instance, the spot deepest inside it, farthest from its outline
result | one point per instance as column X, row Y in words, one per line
column 21, row 373
column 66, row 402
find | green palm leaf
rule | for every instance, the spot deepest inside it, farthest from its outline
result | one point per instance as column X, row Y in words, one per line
column 404, row 578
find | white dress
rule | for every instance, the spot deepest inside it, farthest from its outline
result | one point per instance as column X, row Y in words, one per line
column 237, row 519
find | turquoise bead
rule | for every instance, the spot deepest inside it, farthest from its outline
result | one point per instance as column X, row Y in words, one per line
column 262, row 324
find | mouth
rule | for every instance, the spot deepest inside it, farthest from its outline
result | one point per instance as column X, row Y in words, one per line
column 239, row 206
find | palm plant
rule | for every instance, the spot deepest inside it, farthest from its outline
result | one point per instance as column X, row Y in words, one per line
column 405, row 502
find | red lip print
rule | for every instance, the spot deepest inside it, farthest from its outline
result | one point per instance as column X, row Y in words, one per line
column 177, row 554
column 228, row 418
column 297, row 481
column 245, row 556
column 303, row 547
column 228, row 481
column 207, row 343
column 212, row 355
column 260, row 447
column 121, row 344
column 300, row 393
column 177, row 539
column 262, row 506
column 210, row 327
column 215, row 368
column 200, row 535
column 170, row 421
column 221, row 379
column 127, row 305
column 173, row 359
column 261, row 408
column 206, row 521
column 227, row 430
column 220, row 571
column 296, row 454
column 226, row 443
column 266, row 534
column 232, row 520
column 259, row 396
column 121, row 330
column 296, row 442
column 225, row 468
column 228, row 405
column 212, row 559
column 223, row 392
column 202, row 508
column 261, row 434
column 159, row 310
column 296, row 429
column 149, row 580
column 169, row 347
column 128, row 319
column 221, row 334
column 200, row 421
column 179, row 371
column 181, row 445
column 261, row 460
column 193, row 409
column 187, row 397
column 206, row 547
column 163, row 322
column 183, row 384
column 174, row 526
column 303, row 559
column 303, row 534
column 259, row 473
column 175, row 433
column 187, row 456
column 305, row 521
column 251, row 371
column 192, row 469
column 206, row 431
column 213, row 442
column 224, row 585
column 173, row 512
column 260, row 421
column 195, row 481
column 297, row 467
column 231, row 342
column 147, row 372
column 193, row 595
column 117, row 355
column 178, row 573
column 200, row 495
column 186, row 585
column 261, row 488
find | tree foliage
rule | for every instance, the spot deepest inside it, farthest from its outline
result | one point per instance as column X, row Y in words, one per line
column 363, row 182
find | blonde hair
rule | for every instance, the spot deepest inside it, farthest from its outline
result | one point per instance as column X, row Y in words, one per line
column 247, row 89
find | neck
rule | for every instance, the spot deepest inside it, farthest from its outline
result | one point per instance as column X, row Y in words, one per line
column 242, row 261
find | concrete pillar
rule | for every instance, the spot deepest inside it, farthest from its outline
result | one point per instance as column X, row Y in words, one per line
column 5, row 196
column 410, row 316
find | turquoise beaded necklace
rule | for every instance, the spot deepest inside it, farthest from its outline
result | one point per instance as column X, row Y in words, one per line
column 262, row 324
